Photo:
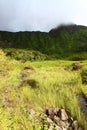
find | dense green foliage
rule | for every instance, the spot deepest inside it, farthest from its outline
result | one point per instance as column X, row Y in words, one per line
column 61, row 42
column 25, row 55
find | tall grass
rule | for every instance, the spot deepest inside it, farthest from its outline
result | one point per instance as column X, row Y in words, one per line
column 56, row 88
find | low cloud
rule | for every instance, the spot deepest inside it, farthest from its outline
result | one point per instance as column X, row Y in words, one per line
column 42, row 15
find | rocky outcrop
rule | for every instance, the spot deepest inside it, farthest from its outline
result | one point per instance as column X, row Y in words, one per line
column 55, row 119
column 62, row 120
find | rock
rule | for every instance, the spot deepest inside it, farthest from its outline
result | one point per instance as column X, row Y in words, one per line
column 56, row 120
column 49, row 122
column 67, row 124
column 64, row 125
column 70, row 120
column 58, row 128
column 56, row 111
column 76, row 66
column 70, row 128
column 75, row 125
column 62, row 120
column 64, row 129
column 31, row 112
column 28, row 68
column 50, row 128
column 64, row 115
column 50, row 112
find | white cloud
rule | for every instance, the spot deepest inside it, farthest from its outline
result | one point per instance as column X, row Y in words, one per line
column 27, row 15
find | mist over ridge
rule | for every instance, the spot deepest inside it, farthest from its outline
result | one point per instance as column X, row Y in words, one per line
column 40, row 15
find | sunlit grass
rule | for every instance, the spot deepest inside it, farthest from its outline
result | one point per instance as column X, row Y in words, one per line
column 56, row 88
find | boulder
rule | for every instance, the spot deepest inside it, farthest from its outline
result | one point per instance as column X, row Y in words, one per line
column 28, row 68
column 76, row 66
column 64, row 115
column 75, row 125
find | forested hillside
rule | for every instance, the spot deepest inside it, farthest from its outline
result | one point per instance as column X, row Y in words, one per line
column 61, row 42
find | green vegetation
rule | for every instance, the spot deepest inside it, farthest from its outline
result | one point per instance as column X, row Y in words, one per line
column 25, row 54
column 26, row 93
column 68, row 42
column 48, row 85
column 84, row 76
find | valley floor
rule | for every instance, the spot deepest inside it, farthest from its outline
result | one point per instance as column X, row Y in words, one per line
column 45, row 84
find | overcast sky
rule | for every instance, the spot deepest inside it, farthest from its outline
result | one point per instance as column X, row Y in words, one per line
column 42, row 15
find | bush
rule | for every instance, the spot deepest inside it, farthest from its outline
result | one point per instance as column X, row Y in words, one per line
column 78, row 56
column 84, row 76
column 25, row 55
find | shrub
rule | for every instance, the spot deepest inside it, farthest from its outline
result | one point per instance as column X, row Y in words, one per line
column 25, row 55
column 30, row 82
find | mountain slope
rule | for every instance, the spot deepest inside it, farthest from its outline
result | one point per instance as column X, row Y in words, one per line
column 64, row 41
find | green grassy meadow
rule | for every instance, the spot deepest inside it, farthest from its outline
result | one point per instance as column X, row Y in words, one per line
column 48, row 85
